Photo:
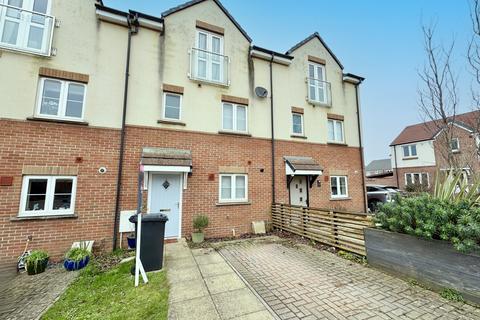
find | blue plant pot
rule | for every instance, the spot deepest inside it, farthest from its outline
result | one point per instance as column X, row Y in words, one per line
column 71, row 265
column 132, row 242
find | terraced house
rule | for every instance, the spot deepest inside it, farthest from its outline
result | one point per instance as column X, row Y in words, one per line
column 219, row 126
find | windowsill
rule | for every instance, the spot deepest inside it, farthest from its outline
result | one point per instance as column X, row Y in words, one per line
column 174, row 122
column 24, row 51
column 50, row 217
column 298, row 136
column 409, row 158
column 320, row 104
column 340, row 199
column 243, row 203
column 337, row 143
column 209, row 82
column 78, row 123
column 455, row 151
column 235, row 133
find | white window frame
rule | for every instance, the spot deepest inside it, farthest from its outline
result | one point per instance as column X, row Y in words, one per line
column 458, row 145
column 420, row 174
column 25, row 22
column 317, row 86
column 62, row 101
column 209, row 53
column 235, row 106
column 339, row 196
column 334, row 121
column 232, row 188
column 301, row 134
column 165, row 106
column 409, row 147
column 49, row 196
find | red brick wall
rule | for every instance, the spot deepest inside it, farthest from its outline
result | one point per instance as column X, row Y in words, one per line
column 209, row 151
column 51, row 144
column 385, row 181
column 48, row 144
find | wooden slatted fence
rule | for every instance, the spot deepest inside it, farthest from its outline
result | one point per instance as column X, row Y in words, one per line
column 340, row 229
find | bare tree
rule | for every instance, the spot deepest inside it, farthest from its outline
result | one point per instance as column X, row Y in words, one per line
column 438, row 97
column 473, row 56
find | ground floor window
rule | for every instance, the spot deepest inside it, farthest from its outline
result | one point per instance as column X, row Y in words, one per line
column 233, row 187
column 47, row 195
column 416, row 179
column 339, row 186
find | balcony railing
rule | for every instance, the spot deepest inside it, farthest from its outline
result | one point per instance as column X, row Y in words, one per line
column 207, row 66
column 319, row 92
column 25, row 30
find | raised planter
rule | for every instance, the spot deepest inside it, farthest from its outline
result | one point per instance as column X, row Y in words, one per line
column 72, row 265
column 37, row 268
column 432, row 262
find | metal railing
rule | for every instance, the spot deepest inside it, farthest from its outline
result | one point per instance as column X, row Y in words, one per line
column 26, row 30
column 340, row 229
column 319, row 92
column 207, row 66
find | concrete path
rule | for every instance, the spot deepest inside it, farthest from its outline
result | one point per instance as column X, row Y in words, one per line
column 299, row 282
column 28, row 297
column 204, row 286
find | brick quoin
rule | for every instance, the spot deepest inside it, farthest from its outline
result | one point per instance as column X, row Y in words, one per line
column 52, row 144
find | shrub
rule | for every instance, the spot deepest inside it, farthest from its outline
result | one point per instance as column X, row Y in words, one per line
column 433, row 218
column 200, row 222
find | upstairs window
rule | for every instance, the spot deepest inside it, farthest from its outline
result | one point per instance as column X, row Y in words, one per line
column 47, row 195
column 335, row 131
column 410, row 151
column 209, row 61
column 59, row 99
column 26, row 26
column 172, row 106
column 318, row 88
column 234, row 117
column 297, row 124
column 455, row 145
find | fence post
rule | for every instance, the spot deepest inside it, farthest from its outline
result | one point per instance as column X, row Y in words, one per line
column 304, row 221
column 335, row 228
column 281, row 216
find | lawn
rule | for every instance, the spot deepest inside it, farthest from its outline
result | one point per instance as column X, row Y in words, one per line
column 111, row 295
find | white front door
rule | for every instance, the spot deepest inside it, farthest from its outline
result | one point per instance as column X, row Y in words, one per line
column 298, row 191
column 165, row 197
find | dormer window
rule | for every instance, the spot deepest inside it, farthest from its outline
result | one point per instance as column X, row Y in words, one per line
column 25, row 25
column 208, row 63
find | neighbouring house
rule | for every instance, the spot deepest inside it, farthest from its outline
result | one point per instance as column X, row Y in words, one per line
column 422, row 150
column 219, row 126
column 379, row 172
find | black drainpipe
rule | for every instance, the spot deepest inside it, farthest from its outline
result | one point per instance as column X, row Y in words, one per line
column 396, row 166
column 273, row 130
column 132, row 29
column 365, row 206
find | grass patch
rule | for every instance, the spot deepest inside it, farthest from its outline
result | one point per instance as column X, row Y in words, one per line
column 111, row 294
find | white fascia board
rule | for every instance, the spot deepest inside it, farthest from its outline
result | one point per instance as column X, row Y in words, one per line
column 111, row 17
column 351, row 80
column 266, row 56
column 150, row 24
column 167, row 168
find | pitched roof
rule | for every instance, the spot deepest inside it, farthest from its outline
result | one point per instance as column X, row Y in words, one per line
column 194, row 2
column 428, row 130
column 310, row 37
column 380, row 164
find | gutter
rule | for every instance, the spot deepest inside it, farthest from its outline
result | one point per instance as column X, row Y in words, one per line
column 133, row 24
column 273, row 130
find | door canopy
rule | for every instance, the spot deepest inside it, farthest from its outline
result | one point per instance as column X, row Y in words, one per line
column 302, row 166
column 166, row 160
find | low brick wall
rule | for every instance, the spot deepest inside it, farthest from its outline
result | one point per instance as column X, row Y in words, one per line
column 433, row 262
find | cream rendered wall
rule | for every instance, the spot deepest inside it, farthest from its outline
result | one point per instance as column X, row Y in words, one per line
column 83, row 45
column 201, row 104
column 425, row 155
column 290, row 89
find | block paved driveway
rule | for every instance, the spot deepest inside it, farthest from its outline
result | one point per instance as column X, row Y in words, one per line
column 299, row 282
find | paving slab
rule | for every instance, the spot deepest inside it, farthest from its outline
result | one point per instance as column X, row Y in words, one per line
column 224, row 282
column 236, row 303
column 300, row 282
column 199, row 308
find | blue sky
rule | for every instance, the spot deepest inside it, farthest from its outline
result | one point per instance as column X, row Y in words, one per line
column 380, row 40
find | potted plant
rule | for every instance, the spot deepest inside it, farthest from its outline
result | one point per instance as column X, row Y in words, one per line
column 36, row 262
column 200, row 222
column 76, row 259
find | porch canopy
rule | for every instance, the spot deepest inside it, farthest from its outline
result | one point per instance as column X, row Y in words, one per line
column 166, row 160
column 302, row 166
